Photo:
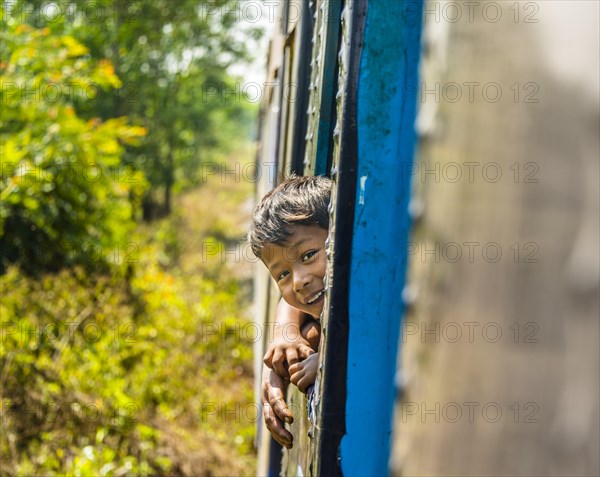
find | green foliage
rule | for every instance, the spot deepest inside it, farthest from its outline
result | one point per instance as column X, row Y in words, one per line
column 114, row 361
column 59, row 174
column 115, row 368
column 142, row 369
column 172, row 58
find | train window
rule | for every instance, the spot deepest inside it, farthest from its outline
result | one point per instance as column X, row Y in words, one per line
column 301, row 97
column 294, row 88
column 321, row 111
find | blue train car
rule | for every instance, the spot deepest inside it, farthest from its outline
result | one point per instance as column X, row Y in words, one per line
column 363, row 138
column 460, row 328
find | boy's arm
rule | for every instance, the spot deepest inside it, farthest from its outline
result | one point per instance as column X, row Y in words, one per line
column 288, row 346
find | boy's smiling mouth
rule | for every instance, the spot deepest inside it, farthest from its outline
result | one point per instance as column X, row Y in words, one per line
column 316, row 298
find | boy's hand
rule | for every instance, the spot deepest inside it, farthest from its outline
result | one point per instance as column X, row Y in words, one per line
column 304, row 373
column 285, row 352
column 275, row 409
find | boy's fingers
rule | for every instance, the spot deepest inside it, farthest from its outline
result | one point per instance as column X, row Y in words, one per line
column 281, row 410
column 305, row 351
column 273, row 394
column 279, row 365
column 294, row 368
column 268, row 359
column 276, row 428
column 304, row 383
column 291, row 356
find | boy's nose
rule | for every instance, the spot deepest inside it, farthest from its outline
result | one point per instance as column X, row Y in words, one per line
column 300, row 281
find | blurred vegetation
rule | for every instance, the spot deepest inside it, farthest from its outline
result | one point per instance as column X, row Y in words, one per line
column 126, row 348
column 171, row 58
column 58, row 170
column 110, row 374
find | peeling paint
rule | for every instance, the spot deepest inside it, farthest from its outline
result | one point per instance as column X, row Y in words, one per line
column 363, row 183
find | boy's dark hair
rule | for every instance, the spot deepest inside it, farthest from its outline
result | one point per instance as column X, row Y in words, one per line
column 298, row 200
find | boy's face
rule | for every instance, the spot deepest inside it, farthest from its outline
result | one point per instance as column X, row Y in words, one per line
column 299, row 268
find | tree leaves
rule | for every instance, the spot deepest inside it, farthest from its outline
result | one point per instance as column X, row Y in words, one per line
column 58, row 172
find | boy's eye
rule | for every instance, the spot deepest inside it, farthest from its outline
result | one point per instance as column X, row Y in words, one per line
column 309, row 255
column 282, row 275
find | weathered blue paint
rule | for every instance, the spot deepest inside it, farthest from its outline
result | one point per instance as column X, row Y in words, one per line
column 386, row 143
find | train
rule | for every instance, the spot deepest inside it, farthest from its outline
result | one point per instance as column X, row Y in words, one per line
column 460, row 323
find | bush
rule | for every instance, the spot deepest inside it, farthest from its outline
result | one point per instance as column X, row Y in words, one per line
column 64, row 193
column 99, row 373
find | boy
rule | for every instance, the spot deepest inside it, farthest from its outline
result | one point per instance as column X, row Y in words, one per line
column 288, row 233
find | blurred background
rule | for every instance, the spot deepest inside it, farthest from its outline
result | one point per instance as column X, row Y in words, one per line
column 126, row 337
column 500, row 359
